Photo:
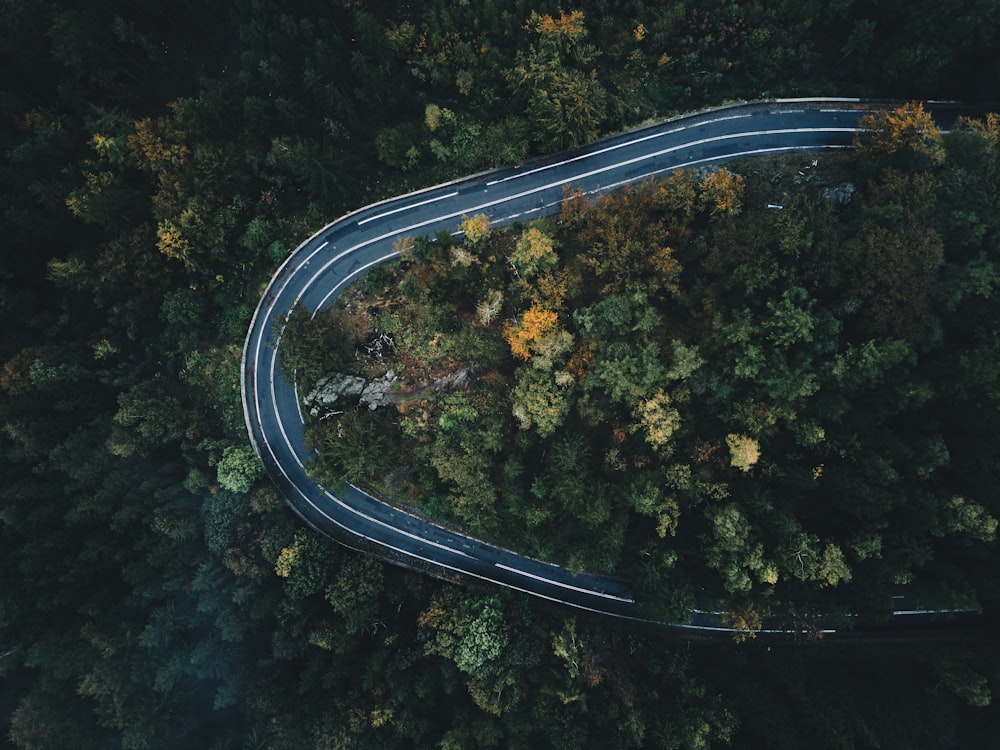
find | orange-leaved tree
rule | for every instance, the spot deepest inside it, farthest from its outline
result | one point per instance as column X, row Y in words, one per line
column 906, row 130
column 525, row 336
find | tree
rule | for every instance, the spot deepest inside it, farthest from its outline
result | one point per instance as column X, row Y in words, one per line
column 970, row 519
column 776, row 354
column 154, row 417
column 658, row 420
column 542, row 399
column 905, row 135
column 318, row 166
column 489, row 308
column 722, row 192
column 569, row 489
column 744, row 451
column 568, row 107
column 628, row 373
column 744, row 619
column 732, row 548
column 475, row 228
column 238, row 468
column 467, row 630
column 534, row 253
column 356, row 592
column 356, row 443
column 897, row 274
column 526, row 336
column 832, row 569
column 462, row 454
column 966, row 681
column 568, row 26
column 305, row 564
column 158, row 146
column 626, row 242
column 566, row 104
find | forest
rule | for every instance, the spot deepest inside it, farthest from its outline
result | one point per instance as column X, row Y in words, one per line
column 759, row 404
column 160, row 160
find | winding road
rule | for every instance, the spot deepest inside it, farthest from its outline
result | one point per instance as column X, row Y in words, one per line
column 325, row 264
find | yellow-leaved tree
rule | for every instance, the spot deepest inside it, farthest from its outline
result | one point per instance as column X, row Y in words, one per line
column 534, row 253
column 657, row 419
column 743, row 451
column 476, row 228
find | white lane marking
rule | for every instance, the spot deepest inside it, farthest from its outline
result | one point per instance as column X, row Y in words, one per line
column 372, row 519
column 725, row 157
column 298, row 459
column 625, row 163
column 407, row 207
column 625, row 144
column 389, row 526
column 274, row 403
column 276, row 289
column 444, row 565
column 344, row 253
column 336, row 259
column 349, row 278
column 717, row 629
column 401, row 232
column 795, row 100
column 565, row 585
column 309, row 258
column 432, row 563
column 719, row 119
column 264, row 326
column 569, row 180
column 295, row 387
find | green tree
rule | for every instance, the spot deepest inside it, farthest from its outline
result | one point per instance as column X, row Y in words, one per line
column 542, row 399
column 238, row 468
column 359, row 445
column 731, row 548
column 566, row 104
column 149, row 417
column 833, row 568
column 467, row 630
column 534, row 253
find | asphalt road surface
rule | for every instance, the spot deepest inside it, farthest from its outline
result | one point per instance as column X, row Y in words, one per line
column 326, row 263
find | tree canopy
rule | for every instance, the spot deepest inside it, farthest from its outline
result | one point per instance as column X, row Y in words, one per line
column 160, row 160
column 745, row 402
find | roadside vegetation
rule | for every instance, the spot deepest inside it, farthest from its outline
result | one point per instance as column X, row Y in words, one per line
column 159, row 161
column 738, row 381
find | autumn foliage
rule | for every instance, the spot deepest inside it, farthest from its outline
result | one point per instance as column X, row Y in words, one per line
column 567, row 24
column 907, row 128
column 722, row 192
column 158, row 145
column 476, row 228
column 525, row 335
